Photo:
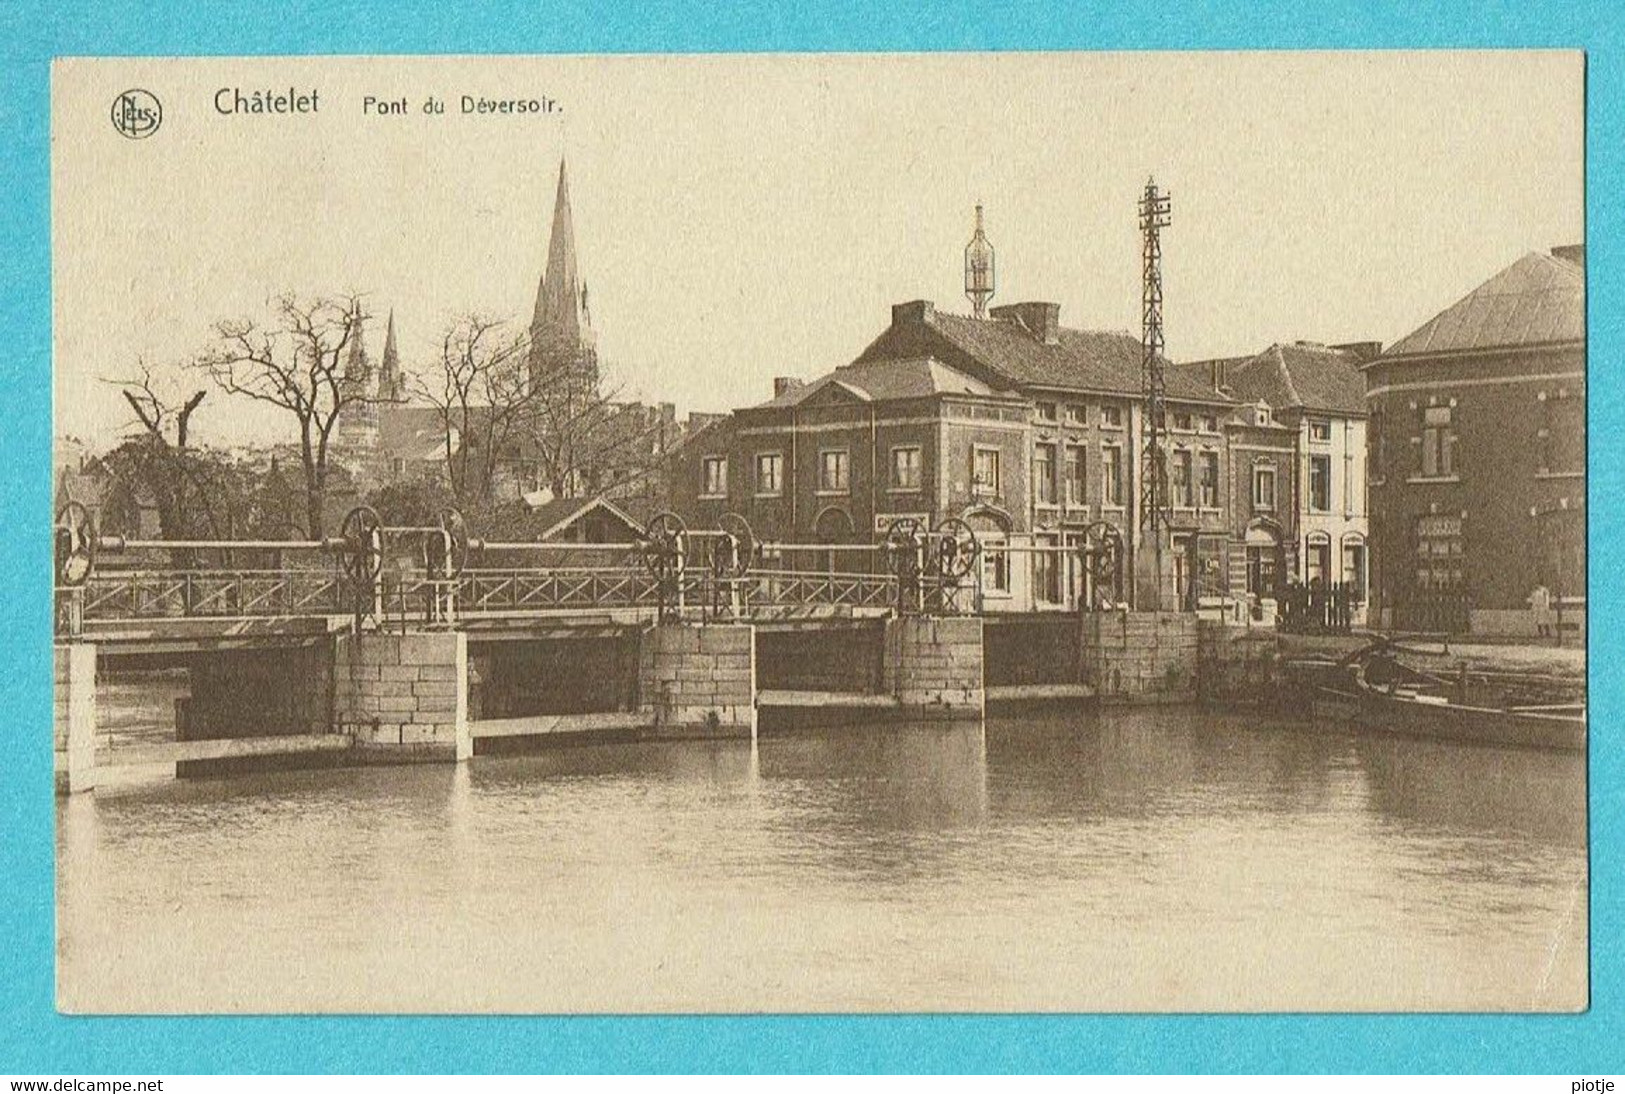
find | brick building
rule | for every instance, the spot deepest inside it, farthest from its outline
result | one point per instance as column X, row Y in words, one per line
column 1478, row 456
column 1030, row 431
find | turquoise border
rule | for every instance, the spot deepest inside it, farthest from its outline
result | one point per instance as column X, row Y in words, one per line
column 33, row 1038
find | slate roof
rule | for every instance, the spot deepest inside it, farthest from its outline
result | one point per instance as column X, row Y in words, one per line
column 1305, row 375
column 1079, row 360
column 1537, row 300
column 880, row 381
column 412, row 433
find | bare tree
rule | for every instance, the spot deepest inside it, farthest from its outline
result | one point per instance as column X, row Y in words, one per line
column 586, row 441
column 480, row 388
column 158, row 464
column 297, row 365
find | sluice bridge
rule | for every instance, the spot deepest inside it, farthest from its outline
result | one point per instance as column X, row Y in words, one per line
column 389, row 643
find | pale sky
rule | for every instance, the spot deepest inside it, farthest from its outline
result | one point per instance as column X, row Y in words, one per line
column 743, row 217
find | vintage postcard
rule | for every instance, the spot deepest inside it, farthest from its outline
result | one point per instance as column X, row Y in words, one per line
column 820, row 533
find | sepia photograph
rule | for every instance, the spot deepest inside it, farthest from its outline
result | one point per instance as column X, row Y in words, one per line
column 1009, row 532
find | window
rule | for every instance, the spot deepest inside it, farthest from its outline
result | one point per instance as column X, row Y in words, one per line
column 985, row 470
column 1317, row 559
column 1561, row 434
column 1182, row 496
column 995, row 566
column 1077, row 489
column 1263, row 486
column 1320, row 484
column 1320, row 431
column 1046, row 411
column 1438, row 443
column 1210, row 480
column 1184, row 421
column 1077, row 414
column 905, row 468
column 1210, row 423
column 1111, row 475
column 769, row 473
column 1044, row 473
column 1046, row 571
column 834, row 471
column 1111, row 417
column 1354, row 567
column 1181, row 552
column 716, row 476
column 1438, row 553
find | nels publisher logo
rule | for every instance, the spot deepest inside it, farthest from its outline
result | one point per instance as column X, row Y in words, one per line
column 137, row 114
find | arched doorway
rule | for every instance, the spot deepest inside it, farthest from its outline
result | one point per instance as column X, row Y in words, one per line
column 834, row 525
column 1266, row 562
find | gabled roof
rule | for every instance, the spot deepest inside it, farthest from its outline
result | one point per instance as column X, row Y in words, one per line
column 1538, row 300
column 552, row 517
column 1304, row 375
column 1008, row 354
column 880, row 381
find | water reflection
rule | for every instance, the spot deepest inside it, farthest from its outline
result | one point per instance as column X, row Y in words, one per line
column 1148, row 859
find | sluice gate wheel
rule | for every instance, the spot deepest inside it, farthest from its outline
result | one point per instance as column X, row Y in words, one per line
column 958, row 550
column 733, row 550
column 75, row 545
column 665, row 545
column 363, row 550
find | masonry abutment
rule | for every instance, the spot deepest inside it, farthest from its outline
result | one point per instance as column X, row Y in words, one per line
column 699, row 679
column 74, row 686
column 403, row 697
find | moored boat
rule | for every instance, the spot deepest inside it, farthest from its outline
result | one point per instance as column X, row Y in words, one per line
column 1373, row 690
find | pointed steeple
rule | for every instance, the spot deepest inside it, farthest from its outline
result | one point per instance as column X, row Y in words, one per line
column 390, row 381
column 561, row 333
column 356, row 365
column 558, row 310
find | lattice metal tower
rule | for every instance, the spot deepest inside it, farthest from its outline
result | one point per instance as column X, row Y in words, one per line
column 979, row 269
column 1155, row 511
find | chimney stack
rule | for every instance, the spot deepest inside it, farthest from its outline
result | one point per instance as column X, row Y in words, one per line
column 784, row 385
column 1042, row 320
column 1361, row 351
column 915, row 311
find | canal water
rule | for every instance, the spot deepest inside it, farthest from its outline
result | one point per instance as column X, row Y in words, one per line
column 1154, row 859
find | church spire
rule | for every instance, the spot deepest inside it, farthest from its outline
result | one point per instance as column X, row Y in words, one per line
column 558, row 308
column 356, row 366
column 390, row 381
column 560, row 329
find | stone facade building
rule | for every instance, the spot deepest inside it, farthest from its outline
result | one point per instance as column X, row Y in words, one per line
column 1478, row 477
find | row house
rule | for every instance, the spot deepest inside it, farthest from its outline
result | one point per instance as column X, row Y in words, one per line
column 1478, row 445
column 1297, row 499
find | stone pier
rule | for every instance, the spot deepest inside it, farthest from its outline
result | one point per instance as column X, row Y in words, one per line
column 1237, row 664
column 698, row 679
column 403, row 697
column 934, row 666
column 1140, row 657
column 74, row 678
